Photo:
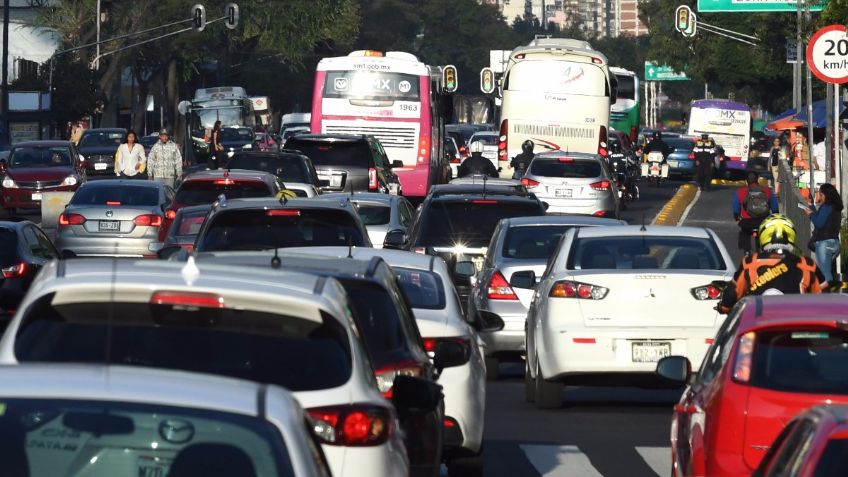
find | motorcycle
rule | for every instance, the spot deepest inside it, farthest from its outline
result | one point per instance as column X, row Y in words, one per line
column 655, row 168
column 625, row 181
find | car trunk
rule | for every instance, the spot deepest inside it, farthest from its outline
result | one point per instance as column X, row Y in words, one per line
column 525, row 295
column 106, row 221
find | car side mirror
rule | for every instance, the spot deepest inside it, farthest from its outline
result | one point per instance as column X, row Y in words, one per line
column 465, row 269
column 397, row 163
column 674, row 369
column 414, row 394
column 523, row 279
column 450, row 353
column 395, row 239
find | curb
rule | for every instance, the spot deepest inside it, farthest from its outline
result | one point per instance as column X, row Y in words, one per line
column 673, row 210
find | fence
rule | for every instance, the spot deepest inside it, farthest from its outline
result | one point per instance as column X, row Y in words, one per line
column 790, row 197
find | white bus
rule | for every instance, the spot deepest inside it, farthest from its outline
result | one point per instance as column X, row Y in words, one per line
column 556, row 92
column 728, row 123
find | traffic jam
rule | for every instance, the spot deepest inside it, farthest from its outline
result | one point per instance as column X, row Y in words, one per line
column 339, row 299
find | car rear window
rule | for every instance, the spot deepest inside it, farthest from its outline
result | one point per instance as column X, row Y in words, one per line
column 644, row 253
column 374, row 214
column 834, row 460
column 56, row 430
column 578, row 169
column 377, row 320
column 288, row 169
column 207, row 191
column 326, row 153
column 486, row 139
column 801, row 361
column 532, row 243
column 423, row 289
column 129, row 195
column 680, row 143
column 8, row 247
column 296, row 353
column 471, row 223
column 190, row 223
column 260, row 229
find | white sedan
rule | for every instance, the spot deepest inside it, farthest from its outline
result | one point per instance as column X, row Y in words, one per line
column 615, row 300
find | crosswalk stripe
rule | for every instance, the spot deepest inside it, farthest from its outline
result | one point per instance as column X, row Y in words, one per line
column 657, row 458
column 559, row 461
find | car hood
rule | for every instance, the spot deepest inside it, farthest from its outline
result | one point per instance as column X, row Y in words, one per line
column 97, row 150
column 30, row 174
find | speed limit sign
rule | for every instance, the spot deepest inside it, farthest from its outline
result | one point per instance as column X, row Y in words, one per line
column 827, row 54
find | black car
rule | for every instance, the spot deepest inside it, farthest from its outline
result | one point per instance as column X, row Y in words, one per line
column 238, row 139
column 24, row 249
column 387, row 328
column 288, row 166
column 98, row 147
column 457, row 221
column 348, row 163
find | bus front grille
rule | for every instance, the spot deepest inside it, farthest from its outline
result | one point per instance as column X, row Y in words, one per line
column 389, row 136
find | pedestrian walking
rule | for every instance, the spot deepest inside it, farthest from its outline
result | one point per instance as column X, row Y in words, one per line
column 776, row 154
column 826, row 215
column 217, row 147
column 705, row 157
column 751, row 205
column 165, row 163
column 130, row 162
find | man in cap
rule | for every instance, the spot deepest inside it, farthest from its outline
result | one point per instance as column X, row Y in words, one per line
column 165, row 163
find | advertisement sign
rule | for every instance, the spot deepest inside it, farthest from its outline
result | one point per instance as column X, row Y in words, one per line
column 20, row 132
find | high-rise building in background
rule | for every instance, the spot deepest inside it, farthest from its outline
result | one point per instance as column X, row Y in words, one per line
column 598, row 18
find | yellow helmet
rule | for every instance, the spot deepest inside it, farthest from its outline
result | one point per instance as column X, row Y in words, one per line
column 776, row 229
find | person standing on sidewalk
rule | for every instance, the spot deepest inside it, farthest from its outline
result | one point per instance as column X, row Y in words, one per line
column 776, row 154
column 165, row 163
column 751, row 205
column 826, row 215
column 705, row 157
column 129, row 158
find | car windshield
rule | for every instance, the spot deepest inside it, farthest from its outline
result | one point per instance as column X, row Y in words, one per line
column 236, row 134
column 469, row 223
column 339, row 153
column 563, row 167
column 297, row 353
column 377, row 320
column 207, row 191
column 533, row 242
column 374, row 214
column 260, row 229
column 102, row 138
column 423, row 289
column 801, row 361
column 187, row 224
column 40, row 157
column 287, row 168
column 8, row 247
column 485, row 139
column 127, row 195
column 834, row 460
column 644, row 252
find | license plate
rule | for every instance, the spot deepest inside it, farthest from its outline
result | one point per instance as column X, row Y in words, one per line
column 149, row 466
column 110, row 225
column 100, row 166
column 673, row 163
column 650, row 352
column 36, row 196
column 562, row 193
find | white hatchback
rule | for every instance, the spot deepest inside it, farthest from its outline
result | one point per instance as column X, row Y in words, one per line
column 615, row 300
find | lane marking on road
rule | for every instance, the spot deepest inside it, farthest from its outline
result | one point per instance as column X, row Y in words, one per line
column 559, row 461
column 688, row 209
column 657, row 458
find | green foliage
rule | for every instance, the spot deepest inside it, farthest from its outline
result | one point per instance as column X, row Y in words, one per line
column 835, row 12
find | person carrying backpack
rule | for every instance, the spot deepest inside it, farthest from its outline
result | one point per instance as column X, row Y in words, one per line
column 751, row 205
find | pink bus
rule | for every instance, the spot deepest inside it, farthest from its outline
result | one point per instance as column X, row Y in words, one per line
column 393, row 97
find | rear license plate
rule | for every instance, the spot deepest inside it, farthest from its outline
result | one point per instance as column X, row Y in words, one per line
column 100, row 166
column 36, row 196
column 149, row 466
column 650, row 352
column 673, row 164
column 110, row 225
column 562, row 193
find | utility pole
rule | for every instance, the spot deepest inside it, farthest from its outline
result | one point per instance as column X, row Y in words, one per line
column 799, row 62
column 4, row 112
column 810, row 142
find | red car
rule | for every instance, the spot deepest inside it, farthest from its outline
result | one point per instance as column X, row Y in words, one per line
column 814, row 444
column 772, row 358
column 36, row 167
column 204, row 187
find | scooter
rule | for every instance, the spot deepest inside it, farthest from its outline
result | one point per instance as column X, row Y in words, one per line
column 655, row 168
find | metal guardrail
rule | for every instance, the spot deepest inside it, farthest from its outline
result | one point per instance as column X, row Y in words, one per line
column 788, row 200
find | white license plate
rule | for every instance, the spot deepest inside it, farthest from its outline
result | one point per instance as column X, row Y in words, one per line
column 110, row 225
column 36, row 196
column 673, row 164
column 650, row 352
column 562, row 193
column 100, row 166
column 149, row 466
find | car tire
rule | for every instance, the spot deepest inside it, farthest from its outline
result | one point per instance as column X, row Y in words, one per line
column 548, row 394
column 529, row 385
column 492, row 368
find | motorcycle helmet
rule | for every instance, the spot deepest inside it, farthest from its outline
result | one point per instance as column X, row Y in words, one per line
column 476, row 146
column 527, row 146
column 776, row 232
column 615, row 147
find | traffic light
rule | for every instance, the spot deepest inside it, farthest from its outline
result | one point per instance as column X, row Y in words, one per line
column 231, row 12
column 198, row 17
column 685, row 21
column 487, row 80
column 449, row 79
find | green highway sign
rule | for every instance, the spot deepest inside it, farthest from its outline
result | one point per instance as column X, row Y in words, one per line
column 654, row 72
column 756, row 5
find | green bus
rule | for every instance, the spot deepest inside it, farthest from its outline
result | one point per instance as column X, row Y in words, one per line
column 624, row 113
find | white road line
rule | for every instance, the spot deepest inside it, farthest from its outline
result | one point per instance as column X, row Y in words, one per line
column 559, row 461
column 657, row 458
column 689, row 208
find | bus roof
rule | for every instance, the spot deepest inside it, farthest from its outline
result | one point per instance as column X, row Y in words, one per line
column 549, row 45
column 389, row 62
column 720, row 104
column 620, row 71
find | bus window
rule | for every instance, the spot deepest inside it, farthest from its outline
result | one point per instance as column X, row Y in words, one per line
column 558, row 77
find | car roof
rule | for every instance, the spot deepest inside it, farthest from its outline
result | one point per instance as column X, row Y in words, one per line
column 122, row 183
column 15, row 222
column 575, row 155
column 395, row 258
column 542, row 220
column 235, row 174
column 284, row 153
column 650, row 230
column 361, row 197
column 104, row 130
column 794, row 310
column 50, row 143
column 301, row 259
column 327, row 138
column 194, row 208
column 476, row 191
column 272, row 203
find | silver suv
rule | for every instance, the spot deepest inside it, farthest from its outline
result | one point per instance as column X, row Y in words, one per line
column 573, row 183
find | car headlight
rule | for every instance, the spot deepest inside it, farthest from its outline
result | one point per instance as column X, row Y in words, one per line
column 8, row 183
column 247, row 146
column 70, row 181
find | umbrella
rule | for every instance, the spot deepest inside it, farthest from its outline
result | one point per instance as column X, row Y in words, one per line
column 819, row 113
column 786, row 124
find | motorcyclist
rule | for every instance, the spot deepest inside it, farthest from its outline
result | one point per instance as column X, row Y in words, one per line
column 657, row 145
column 776, row 269
column 751, row 205
column 521, row 162
column 616, row 155
column 705, row 155
column 477, row 164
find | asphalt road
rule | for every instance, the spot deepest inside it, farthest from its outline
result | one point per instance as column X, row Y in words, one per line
column 712, row 209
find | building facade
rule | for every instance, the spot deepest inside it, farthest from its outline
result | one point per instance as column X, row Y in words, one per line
column 598, row 18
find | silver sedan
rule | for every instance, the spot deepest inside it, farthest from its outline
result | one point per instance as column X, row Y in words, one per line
column 573, row 183
column 381, row 213
column 113, row 218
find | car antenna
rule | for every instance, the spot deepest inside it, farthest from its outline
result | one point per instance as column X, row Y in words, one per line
column 349, row 246
column 643, row 229
column 275, row 260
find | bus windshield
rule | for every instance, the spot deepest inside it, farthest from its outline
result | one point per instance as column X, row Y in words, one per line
column 626, row 87
column 371, row 85
column 558, row 77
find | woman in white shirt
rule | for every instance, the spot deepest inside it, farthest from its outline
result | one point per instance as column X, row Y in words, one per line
column 130, row 161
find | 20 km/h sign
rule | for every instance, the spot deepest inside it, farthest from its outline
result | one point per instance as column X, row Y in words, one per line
column 827, row 54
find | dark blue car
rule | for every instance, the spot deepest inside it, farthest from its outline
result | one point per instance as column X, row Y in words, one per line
column 681, row 162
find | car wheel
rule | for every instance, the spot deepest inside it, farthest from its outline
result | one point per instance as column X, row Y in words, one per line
column 548, row 394
column 529, row 385
column 492, row 371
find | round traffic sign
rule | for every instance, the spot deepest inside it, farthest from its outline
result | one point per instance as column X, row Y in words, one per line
column 827, row 54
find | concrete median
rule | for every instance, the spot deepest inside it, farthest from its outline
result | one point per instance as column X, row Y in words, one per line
column 673, row 210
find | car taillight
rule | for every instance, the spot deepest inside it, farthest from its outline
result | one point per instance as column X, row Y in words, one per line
column 352, row 426
column 16, row 271
column 691, row 156
column 283, row 213
column 600, row 185
column 187, row 300
column 502, row 140
column 570, row 289
column 70, row 219
column 463, row 151
column 421, row 250
column 499, row 288
column 529, row 182
column 707, row 292
column 170, row 214
column 431, row 343
column 148, row 220
column 744, row 356
column 224, row 182
column 602, row 142
column 372, row 178
column 455, row 160
column 423, row 148
column 387, row 374
column 484, row 201
column 113, row 202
